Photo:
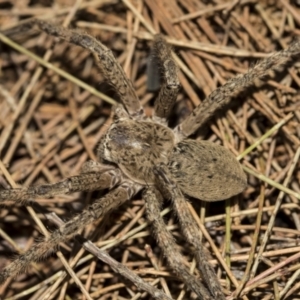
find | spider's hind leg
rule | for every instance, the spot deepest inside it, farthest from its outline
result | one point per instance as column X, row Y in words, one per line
column 125, row 191
column 190, row 229
column 170, row 85
column 166, row 242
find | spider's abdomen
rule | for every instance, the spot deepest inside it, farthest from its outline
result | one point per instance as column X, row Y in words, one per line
column 136, row 147
column 206, row 171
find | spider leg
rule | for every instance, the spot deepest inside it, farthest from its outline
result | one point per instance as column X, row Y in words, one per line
column 165, row 240
column 223, row 94
column 91, row 166
column 98, row 209
column 119, row 268
column 108, row 65
column 170, row 86
column 190, row 230
column 88, row 181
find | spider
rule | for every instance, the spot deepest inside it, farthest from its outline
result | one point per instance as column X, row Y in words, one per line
column 142, row 154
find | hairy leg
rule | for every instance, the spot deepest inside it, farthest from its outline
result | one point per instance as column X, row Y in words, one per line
column 88, row 181
column 165, row 240
column 119, row 268
column 94, row 211
column 222, row 95
column 170, row 86
column 108, row 65
column 190, row 230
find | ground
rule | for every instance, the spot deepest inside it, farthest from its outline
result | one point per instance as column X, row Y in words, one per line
column 50, row 125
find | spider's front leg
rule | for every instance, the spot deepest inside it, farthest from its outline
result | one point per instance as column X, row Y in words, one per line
column 107, row 63
column 170, row 85
column 189, row 228
column 166, row 242
column 94, row 176
column 125, row 191
column 221, row 96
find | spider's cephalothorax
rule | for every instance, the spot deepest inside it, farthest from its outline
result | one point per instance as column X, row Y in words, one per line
column 142, row 154
column 136, row 146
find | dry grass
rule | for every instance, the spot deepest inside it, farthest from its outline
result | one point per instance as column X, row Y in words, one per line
column 50, row 125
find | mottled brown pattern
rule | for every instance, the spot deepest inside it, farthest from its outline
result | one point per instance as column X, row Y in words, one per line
column 170, row 85
column 142, row 153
